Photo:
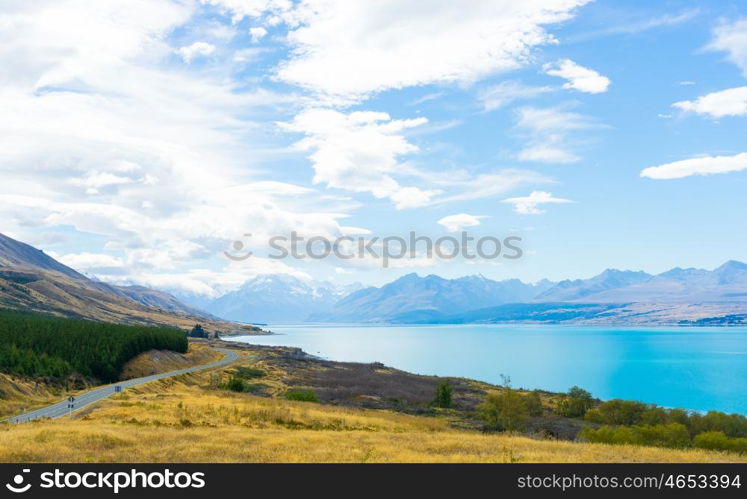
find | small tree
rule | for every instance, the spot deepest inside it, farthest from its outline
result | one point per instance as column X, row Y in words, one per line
column 443, row 395
column 504, row 410
column 575, row 403
column 197, row 332
column 236, row 385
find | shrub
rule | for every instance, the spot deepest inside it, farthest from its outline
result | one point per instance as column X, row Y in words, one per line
column 443, row 395
column 660, row 435
column 678, row 416
column 630, row 413
column 653, row 415
column 236, row 384
column 504, row 410
column 248, row 372
column 534, row 403
column 575, row 403
column 663, row 435
column 717, row 440
column 617, row 412
column 732, row 425
column 301, row 395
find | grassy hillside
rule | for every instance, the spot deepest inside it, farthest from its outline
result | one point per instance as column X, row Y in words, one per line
column 22, row 393
column 52, row 293
column 161, row 361
column 32, row 281
column 199, row 418
column 191, row 419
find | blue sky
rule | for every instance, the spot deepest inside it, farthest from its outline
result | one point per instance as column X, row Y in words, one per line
column 140, row 139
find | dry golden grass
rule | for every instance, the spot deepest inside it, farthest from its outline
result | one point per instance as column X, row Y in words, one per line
column 184, row 420
column 161, row 361
column 77, row 442
column 19, row 394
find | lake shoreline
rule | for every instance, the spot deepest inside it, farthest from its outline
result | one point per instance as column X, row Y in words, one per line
column 698, row 368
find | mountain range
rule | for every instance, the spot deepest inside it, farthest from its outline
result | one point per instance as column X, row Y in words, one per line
column 31, row 280
column 273, row 298
column 411, row 295
column 678, row 296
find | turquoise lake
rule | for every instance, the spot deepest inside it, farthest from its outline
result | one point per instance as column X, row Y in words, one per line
column 693, row 368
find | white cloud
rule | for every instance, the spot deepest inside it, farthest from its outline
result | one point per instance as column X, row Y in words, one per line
column 350, row 50
column 729, row 102
column 507, row 92
column 457, row 223
column 93, row 263
column 530, row 205
column 732, row 39
column 241, row 9
column 641, row 22
column 545, row 153
column 656, row 22
column 197, row 49
column 162, row 164
column 94, row 181
column 257, row 33
column 704, row 165
column 549, row 133
column 360, row 152
column 426, row 98
column 206, row 282
column 554, row 119
column 247, row 55
column 485, row 185
column 365, row 151
column 105, row 137
column 579, row 78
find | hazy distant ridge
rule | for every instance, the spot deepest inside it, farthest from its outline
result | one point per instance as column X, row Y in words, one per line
column 614, row 296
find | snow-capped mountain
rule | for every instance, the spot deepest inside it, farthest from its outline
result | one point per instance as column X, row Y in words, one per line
column 274, row 298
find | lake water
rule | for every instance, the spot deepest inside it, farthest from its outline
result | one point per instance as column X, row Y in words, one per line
column 694, row 368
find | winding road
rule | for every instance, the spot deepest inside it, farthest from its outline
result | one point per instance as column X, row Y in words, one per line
column 87, row 398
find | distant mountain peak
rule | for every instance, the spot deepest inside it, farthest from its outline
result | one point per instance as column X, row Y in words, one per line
column 609, row 279
column 679, row 273
column 731, row 265
column 473, row 277
column 731, row 272
column 412, row 276
column 275, row 298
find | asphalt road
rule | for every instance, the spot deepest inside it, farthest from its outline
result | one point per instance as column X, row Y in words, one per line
column 82, row 400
